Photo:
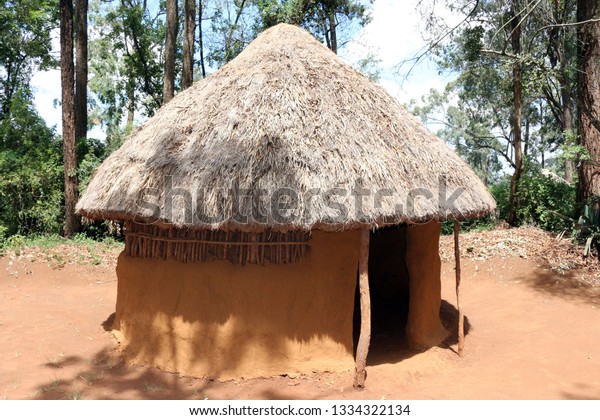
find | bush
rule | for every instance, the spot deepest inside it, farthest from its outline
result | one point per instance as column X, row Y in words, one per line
column 537, row 194
column 31, row 173
column 31, row 176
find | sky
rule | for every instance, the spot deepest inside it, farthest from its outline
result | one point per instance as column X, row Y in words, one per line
column 393, row 35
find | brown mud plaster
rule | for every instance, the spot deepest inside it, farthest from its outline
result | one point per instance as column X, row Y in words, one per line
column 216, row 319
column 424, row 328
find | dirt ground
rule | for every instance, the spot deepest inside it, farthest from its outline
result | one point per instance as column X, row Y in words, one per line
column 533, row 333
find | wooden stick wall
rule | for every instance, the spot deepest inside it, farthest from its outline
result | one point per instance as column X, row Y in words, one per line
column 187, row 245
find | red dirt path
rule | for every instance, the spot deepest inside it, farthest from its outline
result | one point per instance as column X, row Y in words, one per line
column 533, row 335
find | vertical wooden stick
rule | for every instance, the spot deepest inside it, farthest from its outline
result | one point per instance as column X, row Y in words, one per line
column 461, row 317
column 364, row 340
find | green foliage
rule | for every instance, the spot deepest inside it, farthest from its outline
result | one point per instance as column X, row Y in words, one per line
column 31, row 172
column 473, row 43
column 317, row 16
column 126, row 61
column 470, row 225
column 501, row 46
column 232, row 28
column 589, row 226
column 585, row 230
column 501, row 192
column 92, row 152
column 25, row 44
column 538, row 196
column 370, row 67
column 48, row 243
column 31, row 175
column 571, row 150
column 469, row 127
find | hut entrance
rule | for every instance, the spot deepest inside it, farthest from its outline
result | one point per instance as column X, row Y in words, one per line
column 388, row 283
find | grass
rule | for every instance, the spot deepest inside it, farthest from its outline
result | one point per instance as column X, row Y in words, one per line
column 75, row 395
column 56, row 361
column 109, row 363
column 50, row 387
column 50, row 241
column 152, row 387
column 197, row 391
column 51, row 247
column 91, row 377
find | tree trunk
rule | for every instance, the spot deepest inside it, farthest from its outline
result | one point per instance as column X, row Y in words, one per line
column 67, row 77
column 589, row 94
column 189, row 29
column 332, row 32
column 200, row 39
column 515, row 39
column 170, row 46
column 130, row 100
column 567, row 116
column 81, row 69
column 229, row 52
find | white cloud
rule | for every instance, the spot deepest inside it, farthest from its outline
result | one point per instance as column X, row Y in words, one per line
column 46, row 90
column 394, row 36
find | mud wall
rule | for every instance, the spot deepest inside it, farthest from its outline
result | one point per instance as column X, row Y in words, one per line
column 216, row 319
column 424, row 328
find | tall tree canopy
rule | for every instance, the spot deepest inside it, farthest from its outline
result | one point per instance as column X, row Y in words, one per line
column 514, row 89
column 25, row 44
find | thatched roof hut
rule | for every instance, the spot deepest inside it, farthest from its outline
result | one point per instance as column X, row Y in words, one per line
column 281, row 156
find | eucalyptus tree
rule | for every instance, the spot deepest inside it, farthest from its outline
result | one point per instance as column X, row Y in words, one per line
column 67, row 71
column 172, row 26
column 189, row 31
column 326, row 19
column 513, row 61
column 126, row 67
column 81, row 68
column 25, row 45
column 232, row 27
column 588, row 17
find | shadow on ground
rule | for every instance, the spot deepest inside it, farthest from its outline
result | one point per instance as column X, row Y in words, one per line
column 106, row 376
column 583, row 392
column 388, row 344
column 565, row 286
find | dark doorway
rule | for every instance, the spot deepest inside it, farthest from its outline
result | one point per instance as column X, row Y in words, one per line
column 389, row 287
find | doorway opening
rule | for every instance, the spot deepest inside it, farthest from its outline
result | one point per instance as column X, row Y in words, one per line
column 389, row 290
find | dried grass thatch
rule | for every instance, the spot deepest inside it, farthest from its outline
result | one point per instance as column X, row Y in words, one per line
column 283, row 137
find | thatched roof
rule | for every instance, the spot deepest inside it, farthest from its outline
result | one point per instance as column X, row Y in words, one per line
column 284, row 134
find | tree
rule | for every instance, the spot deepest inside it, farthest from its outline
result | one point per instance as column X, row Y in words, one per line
column 189, row 30
column 81, row 69
column 170, row 50
column 232, row 28
column 25, row 45
column 68, row 117
column 515, row 40
column 126, row 63
column 472, row 128
column 588, row 12
column 31, row 171
column 201, row 36
column 561, row 54
column 515, row 81
column 324, row 18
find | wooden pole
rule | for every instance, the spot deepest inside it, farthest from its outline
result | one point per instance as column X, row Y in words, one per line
column 364, row 340
column 461, row 317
